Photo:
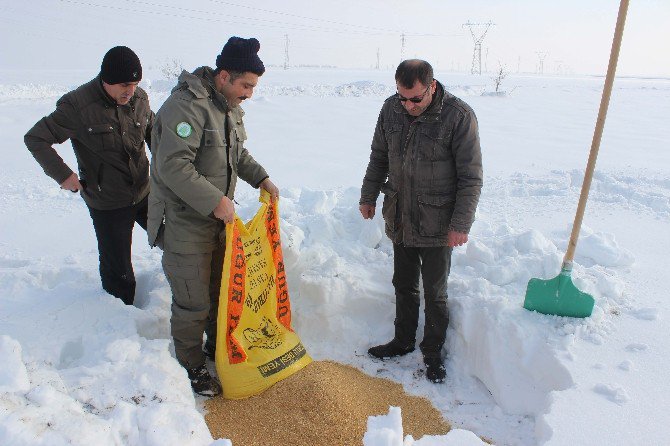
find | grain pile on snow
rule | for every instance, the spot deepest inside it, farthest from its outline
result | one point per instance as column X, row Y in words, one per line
column 326, row 403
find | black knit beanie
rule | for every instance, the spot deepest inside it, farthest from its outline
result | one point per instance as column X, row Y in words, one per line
column 120, row 65
column 240, row 54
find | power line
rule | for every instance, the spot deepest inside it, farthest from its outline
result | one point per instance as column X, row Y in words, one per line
column 332, row 22
column 243, row 20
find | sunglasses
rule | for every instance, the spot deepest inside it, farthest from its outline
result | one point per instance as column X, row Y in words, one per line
column 414, row 100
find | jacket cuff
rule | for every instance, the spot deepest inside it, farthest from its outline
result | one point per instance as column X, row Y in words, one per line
column 258, row 184
column 458, row 227
column 61, row 175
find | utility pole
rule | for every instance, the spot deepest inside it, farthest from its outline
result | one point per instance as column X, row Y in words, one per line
column 518, row 65
column 286, row 64
column 559, row 67
column 377, row 67
column 478, row 38
column 541, row 55
column 402, row 47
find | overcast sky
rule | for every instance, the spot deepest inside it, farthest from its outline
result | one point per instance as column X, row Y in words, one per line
column 573, row 36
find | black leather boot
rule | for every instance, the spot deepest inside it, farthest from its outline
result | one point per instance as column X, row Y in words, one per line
column 435, row 371
column 203, row 383
column 390, row 350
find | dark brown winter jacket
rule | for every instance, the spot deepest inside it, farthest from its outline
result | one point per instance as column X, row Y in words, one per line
column 429, row 169
column 108, row 141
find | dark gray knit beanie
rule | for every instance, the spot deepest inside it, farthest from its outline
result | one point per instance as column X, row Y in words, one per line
column 241, row 55
column 120, row 65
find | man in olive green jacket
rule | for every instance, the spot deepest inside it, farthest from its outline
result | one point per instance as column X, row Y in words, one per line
column 107, row 120
column 197, row 156
column 427, row 161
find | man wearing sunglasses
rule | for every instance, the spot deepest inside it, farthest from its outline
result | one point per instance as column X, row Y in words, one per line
column 427, row 162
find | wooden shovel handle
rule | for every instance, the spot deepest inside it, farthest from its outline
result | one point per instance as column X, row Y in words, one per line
column 597, row 135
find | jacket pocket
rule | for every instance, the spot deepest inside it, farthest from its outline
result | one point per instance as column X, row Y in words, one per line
column 393, row 135
column 187, row 287
column 210, row 160
column 139, row 131
column 390, row 207
column 89, row 168
column 434, row 214
column 433, row 143
column 101, row 136
column 184, row 224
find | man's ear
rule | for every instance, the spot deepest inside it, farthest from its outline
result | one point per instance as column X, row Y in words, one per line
column 224, row 76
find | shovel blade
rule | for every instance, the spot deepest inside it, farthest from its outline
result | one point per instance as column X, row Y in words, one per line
column 558, row 296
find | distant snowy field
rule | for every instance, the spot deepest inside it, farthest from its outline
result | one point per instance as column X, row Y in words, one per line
column 78, row 367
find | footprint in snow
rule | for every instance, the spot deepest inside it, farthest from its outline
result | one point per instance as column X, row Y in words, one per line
column 636, row 347
column 626, row 365
column 615, row 394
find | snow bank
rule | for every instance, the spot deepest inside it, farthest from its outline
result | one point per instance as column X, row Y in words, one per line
column 162, row 87
column 13, row 375
column 99, row 371
column 91, row 371
column 386, row 430
column 340, row 280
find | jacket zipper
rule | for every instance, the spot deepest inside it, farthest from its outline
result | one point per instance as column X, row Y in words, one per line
column 407, row 202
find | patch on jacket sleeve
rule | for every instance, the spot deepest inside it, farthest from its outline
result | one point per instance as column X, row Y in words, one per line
column 184, row 129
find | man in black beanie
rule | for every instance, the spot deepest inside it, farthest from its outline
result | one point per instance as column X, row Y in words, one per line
column 107, row 121
column 197, row 157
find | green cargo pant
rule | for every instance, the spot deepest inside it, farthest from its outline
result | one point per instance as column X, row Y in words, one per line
column 195, row 280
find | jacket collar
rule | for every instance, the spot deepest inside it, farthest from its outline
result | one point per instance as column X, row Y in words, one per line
column 100, row 91
column 201, row 83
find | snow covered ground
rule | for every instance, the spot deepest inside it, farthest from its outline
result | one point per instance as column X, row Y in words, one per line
column 78, row 367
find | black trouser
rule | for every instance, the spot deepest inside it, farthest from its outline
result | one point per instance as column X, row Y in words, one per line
column 433, row 265
column 114, row 231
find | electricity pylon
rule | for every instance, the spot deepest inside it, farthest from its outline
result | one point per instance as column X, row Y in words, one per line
column 286, row 63
column 478, row 38
column 541, row 55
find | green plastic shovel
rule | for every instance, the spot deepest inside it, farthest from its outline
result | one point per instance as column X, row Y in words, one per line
column 559, row 295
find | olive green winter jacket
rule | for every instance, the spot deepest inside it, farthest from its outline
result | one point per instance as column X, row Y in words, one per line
column 429, row 169
column 197, row 155
column 108, row 141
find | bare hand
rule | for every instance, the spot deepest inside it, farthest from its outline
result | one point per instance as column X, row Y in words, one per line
column 456, row 239
column 367, row 210
column 71, row 183
column 271, row 188
column 225, row 210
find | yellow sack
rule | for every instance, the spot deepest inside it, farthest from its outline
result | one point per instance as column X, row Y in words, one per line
column 256, row 346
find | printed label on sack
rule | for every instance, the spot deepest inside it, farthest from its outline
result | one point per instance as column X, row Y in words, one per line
column 282, row 362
